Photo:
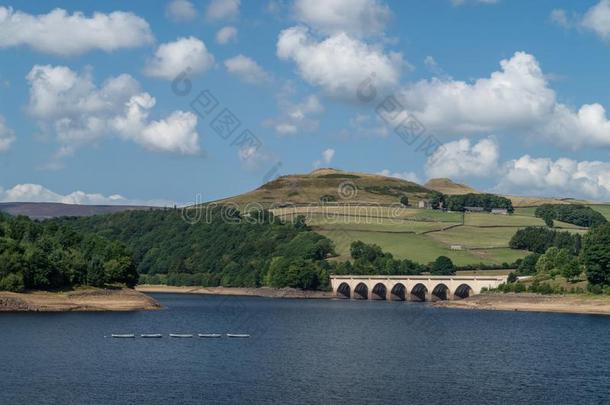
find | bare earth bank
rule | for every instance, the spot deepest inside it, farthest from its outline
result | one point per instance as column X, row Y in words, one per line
column 257, row 292
column 80, row 300
column 576, row 304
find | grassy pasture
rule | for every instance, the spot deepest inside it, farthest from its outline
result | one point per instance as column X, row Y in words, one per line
column 604, row 209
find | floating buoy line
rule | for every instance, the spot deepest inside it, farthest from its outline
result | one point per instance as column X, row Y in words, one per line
column 178, row 335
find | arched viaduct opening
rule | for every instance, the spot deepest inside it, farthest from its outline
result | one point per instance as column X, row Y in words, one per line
column 463, row 291
column 379, row 292
column 419, row 292
column 399, row 292
column 440, row 292
column 361, row 292
column 343, row 291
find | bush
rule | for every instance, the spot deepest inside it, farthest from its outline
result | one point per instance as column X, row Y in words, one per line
column 12, row 282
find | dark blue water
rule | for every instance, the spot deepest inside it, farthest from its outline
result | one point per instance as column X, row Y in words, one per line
column 305, row 352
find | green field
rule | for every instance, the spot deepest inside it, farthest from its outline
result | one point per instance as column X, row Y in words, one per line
column 604, row 209
column 422, row 235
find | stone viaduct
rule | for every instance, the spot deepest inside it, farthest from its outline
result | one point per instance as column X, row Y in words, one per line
column 412, row 288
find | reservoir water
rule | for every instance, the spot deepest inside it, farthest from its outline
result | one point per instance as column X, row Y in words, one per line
column 305, row 351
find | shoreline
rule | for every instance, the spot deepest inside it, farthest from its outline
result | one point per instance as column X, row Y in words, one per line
column 85, row 300
column 266, row 292
column 527, row 302
column 522, row 302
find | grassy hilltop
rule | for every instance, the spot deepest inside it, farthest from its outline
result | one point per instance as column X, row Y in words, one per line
column 413, row 233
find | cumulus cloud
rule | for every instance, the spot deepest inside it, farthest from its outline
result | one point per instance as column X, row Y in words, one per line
column 327, row 158
column 516, row 98
column 462, row 158
column 561, row 177
column 525, row 175
column 596, row 19
column 408, row 176
column 180, row 11
column 226, row 34
column 37, row 193
column 185, row 54
column 7, row 136
column 70, row 106
column 61, row 33
column 338, row 64
column 296, row 117
column 355, row 17
column 175, row 133
column 222, row 10
column 246, row 69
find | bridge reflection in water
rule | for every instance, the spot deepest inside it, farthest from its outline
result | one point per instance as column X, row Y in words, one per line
column 412, row 288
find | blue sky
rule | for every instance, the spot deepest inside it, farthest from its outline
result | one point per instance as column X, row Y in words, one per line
column 514, row 91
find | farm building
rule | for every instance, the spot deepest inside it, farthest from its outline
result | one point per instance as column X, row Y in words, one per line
column 499, row 211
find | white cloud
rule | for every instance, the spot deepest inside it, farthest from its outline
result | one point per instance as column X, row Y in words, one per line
column 296, row 117
column 562, row 177
column 180, row 10
column 66, row 34
column 355, row 17
column 338, row 64
column 226, row 34
column 516, row 98
column 70, row 106
column 596, row 19
column 176, row 133
column 37, row 193
column 408, row 176
column 222, row 9
column 461, row 159
column 7, row 136
column 327, row 158
column 246, row 69
column 185, row 54
column 560, row 17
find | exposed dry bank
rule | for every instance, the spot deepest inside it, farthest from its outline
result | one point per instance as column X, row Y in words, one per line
column 257, row 292
column 572, row 303
column 80, row 300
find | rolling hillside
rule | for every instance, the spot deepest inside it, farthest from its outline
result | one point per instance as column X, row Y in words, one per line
column 342, row 187
column 54, row 210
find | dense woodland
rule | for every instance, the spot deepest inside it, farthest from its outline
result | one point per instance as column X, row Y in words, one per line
column 459, row 202
column 571, row 213
column 49, row 256
column 539, row 239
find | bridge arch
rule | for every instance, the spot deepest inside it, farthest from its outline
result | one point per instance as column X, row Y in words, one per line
column 361, row 291
column 418, row 292
column 398, row 292
column 463, row 291
column 379, row 292
column 440, row 292
column 344, row 291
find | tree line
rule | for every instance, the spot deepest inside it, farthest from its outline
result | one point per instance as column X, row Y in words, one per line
column 575, row 214
column 49, row 256
column 460, row 202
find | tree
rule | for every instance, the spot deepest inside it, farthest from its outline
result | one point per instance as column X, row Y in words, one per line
column 571, row 269
column 95, row 273
column 442, row 266
column 595, row 255
column 528, row 265
column 404, row 200
column 548, row 220
column 512, row 277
